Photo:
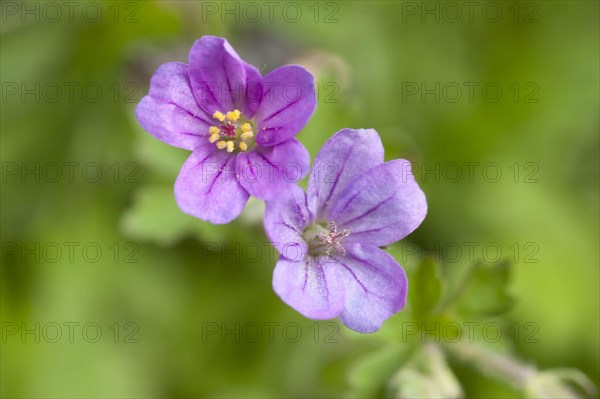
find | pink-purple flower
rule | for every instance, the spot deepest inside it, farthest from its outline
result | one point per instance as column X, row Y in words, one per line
column 239, row 125
column 331, row 264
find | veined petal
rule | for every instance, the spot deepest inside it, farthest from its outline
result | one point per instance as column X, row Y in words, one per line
column 375, row 287
column 346, row 155
column 169, row 112
column 288, row 102
column 381, row 206
column 286, row 217
column 207, row 187
column 253, row 91
column 310, row 286
column 221, row 80
column 266, row 172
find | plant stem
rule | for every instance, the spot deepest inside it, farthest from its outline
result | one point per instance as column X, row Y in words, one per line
column 493, row 364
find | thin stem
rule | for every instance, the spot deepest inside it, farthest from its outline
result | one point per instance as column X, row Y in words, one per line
column 492, row 363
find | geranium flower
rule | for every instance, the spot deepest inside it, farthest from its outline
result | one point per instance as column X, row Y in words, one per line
column 239, row 125
column 331, row 264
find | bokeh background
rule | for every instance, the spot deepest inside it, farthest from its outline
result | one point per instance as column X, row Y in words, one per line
column 153, row 303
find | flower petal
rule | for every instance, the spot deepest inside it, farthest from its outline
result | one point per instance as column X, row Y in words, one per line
column 266, row 172
column 310, row 286
column 375, row 287
column 169, row 112
column 221, row 80
column 381, row 206
column 207, row 187
column 285, row 220
column 346, row 155
column 253, row 92
column 288, row 101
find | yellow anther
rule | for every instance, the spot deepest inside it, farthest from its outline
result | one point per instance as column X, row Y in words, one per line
column 234, row 115
column 219, row 115
column 231, row 135
column 247, row 135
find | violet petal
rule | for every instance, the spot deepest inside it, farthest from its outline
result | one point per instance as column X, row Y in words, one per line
column 169, row 112
column 375, row 287
column 220, row 79
column 346, row 155
column 207, row 187
column 267, row 172
column 285, row 220
column 288, row 101
column 381, row 206
column 310, row 286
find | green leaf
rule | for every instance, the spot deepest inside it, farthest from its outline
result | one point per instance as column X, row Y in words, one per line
column 161, row 159
column 486, row 290
column 155, row 216
column 425, row 289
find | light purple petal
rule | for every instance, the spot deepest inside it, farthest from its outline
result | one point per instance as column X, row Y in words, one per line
column 288, row 102
column 169, row 112
column 346, row 155
column 381, row 206
column 253, row 92
column 207, row 187
column 221, row 80
column 375, row 287
column 285, row 220
column 311, row 287
column 267, row 172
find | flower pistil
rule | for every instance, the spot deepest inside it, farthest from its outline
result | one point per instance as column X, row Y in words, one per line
column 328, row 242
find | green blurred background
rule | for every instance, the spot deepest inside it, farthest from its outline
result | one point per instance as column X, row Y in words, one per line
column 154, row 313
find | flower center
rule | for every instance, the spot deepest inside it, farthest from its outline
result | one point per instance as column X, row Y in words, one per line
column 325, row 242
column 232, row 132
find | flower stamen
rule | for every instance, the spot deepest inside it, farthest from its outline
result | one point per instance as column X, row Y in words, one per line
column 219, row 116
column 232, row 132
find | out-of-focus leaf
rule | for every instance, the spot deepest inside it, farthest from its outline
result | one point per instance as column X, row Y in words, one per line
column 486, row 291
column 162, row 159
column 154, row 216
column 425, row 289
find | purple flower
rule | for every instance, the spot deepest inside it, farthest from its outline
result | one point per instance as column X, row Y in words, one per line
column 239, row 125
column 331, row 264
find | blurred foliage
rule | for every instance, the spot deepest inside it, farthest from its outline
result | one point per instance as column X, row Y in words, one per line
column 180, row 288
column 426, row 288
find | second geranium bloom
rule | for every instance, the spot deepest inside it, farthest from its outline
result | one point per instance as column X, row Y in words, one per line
column 239, row 125
column 331, row 263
